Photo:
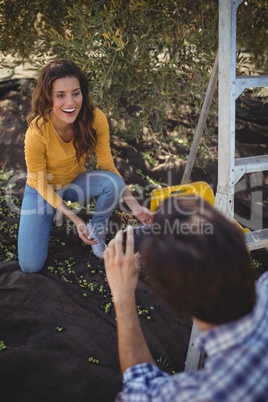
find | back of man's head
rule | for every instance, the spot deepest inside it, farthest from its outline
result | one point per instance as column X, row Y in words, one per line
column 197, row 261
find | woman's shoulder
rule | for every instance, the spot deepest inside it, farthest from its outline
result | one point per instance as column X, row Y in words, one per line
column 98, row 113
column 38, row 127
column 99, row 119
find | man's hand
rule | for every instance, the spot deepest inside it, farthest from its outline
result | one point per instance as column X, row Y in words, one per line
column 122, row 269
column 122, row 274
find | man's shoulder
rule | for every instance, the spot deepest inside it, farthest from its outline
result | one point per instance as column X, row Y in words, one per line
column 263, row 279
column 146, row 381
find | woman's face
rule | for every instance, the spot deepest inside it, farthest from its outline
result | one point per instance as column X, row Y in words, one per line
column 67, row 100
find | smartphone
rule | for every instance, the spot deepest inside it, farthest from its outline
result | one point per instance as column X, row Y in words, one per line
column 140, row 233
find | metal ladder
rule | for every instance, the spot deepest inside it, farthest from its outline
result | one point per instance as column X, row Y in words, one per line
column 230, row 170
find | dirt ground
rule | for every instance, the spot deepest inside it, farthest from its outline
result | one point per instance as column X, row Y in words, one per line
column 44, row 363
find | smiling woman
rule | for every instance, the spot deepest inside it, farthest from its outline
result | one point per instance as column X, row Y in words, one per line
column 64, row 130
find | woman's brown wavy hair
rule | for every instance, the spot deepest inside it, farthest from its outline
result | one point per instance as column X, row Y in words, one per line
column 84, row 136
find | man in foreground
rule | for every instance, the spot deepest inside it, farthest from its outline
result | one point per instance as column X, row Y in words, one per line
column 198, row 263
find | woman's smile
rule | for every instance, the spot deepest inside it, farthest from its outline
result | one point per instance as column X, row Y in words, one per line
column 69, row 112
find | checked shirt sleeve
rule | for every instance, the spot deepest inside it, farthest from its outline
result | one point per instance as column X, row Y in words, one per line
column 141, row 383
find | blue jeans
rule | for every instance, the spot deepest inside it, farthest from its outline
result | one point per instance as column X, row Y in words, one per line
column 37, row 214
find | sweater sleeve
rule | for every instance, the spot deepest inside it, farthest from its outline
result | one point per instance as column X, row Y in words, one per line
column 36, row 161
column 103, row 148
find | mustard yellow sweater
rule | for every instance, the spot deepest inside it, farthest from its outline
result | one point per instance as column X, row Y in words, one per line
column 52, row 163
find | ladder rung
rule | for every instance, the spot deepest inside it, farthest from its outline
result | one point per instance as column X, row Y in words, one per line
column 253, row 163
column 257, row 239
column 250, row 81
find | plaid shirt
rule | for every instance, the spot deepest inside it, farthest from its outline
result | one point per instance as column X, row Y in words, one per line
column 236, row 368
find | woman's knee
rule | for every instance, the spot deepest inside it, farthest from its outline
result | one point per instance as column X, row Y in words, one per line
column 30, row 265
column 121, row 184
column 115, row 184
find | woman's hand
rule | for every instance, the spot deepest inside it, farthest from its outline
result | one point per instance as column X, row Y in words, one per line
column 79, row 223
column 122, row 270
column 82, row 231
column 144, row 215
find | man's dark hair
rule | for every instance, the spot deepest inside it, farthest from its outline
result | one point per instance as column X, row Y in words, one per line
column 197, row 261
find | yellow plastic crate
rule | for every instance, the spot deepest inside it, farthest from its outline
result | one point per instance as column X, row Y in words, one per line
column 200, row 188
